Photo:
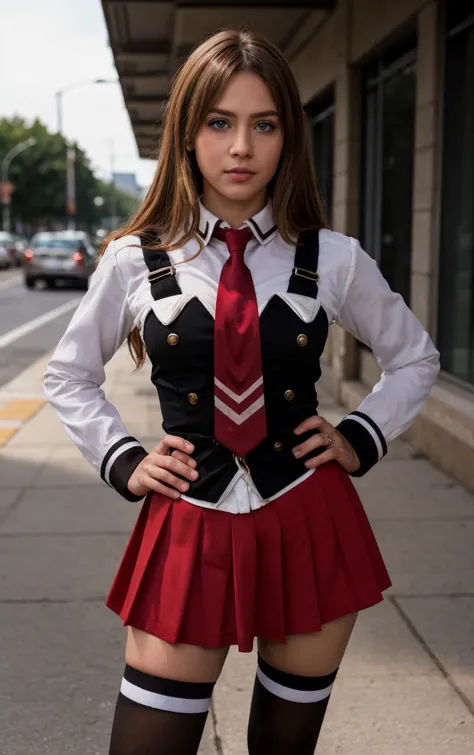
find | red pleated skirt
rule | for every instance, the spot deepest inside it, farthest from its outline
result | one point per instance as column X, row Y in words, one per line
column 211, row 578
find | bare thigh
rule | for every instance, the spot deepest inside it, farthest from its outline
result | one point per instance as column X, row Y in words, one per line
column 316, row 654
column 183, row 663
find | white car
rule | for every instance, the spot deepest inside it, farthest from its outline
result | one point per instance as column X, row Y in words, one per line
column 5, row 259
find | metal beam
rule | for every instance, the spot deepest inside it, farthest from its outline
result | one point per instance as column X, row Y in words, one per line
column 268, row 4
column 145, row 48
column 145, row 99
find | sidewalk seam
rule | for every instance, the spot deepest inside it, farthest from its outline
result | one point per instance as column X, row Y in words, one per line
column 439, row 665
column 217, row 739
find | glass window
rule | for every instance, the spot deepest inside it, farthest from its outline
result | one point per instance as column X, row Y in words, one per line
column 321, row 121
column 456, row 279
column 387, row 165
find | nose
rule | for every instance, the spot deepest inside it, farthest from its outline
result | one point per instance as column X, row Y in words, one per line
column 242, row 143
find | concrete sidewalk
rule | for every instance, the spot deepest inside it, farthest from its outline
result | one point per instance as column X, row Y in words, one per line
column 406, row 686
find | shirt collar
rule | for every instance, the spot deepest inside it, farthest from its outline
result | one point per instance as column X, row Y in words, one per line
column 262, row 224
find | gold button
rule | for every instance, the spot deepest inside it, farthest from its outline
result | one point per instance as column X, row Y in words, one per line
column 173, row 339
column 302, row 339
column 289, row 395
column 193, row 398
column 278, row 446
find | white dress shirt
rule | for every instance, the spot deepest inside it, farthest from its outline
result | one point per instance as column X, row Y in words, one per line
column 351, row 290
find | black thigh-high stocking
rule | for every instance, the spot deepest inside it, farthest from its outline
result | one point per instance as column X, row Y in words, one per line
column 156, row 716
column 287, row 711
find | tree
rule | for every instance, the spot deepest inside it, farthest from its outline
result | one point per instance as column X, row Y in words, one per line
column 39, row 177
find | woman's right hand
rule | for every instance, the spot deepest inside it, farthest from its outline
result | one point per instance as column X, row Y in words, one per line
column 158, row 470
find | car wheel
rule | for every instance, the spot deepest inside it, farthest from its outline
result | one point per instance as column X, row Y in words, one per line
column 29, row 281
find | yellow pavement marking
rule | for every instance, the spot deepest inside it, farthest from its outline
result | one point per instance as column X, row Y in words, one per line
column 16, row 411
column 20, row 409
column 6, row 433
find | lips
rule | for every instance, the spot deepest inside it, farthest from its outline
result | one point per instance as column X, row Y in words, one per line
column 241, row 171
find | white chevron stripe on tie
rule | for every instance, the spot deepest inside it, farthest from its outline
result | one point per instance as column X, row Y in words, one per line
column 235, row 396
column 239, row 419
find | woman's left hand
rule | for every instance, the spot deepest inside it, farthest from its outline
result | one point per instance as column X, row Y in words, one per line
column 337, row 447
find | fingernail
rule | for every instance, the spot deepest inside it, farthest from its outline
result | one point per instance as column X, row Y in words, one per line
column 194, row 475
column 190, row 446
column 184, row 486
column 175, row 494
column 297, row 452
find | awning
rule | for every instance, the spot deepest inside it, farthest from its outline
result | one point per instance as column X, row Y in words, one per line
column 150, row 38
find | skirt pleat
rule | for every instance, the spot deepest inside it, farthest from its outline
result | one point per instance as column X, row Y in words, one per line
column 206, row 577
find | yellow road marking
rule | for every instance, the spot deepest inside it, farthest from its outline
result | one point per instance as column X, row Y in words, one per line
column 6, row 433
column 20, row 409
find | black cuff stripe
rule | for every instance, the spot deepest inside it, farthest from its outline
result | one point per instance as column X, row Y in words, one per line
column 112, row 450
column 168, row 687
column 294, row 681
column 362, row 442
column 377, row 429
column 122, row 469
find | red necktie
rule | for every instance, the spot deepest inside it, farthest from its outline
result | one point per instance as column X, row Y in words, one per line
column 239, row 410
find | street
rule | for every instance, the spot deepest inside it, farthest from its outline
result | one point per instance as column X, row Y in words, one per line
column 30, row 323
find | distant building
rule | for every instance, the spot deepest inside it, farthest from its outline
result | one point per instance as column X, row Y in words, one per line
column 126, row 182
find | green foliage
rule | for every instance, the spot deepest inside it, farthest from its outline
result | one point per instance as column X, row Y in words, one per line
column 39, row 177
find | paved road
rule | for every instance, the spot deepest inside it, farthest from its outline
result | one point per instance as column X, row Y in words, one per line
column 31, row 322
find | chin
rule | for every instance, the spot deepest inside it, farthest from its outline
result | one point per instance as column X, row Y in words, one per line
column 240, row 192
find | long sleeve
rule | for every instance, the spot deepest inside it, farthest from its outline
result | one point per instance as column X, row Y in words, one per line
column 76, row 371
column 409, row 361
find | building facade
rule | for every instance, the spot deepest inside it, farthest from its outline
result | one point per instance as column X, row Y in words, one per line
column 389, row 92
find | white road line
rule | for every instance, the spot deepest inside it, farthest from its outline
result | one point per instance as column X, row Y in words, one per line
column 10, row 282
column 23, row 330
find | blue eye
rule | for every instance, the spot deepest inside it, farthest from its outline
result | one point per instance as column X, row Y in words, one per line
column 217, row 124
column 268, row 127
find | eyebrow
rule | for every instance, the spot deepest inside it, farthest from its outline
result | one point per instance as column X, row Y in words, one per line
column 230, row 114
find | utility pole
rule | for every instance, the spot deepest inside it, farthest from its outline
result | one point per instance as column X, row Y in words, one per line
column 71, row 153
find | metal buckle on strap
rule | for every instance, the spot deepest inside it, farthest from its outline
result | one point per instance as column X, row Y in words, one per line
column 311, row 275
column 163, row 272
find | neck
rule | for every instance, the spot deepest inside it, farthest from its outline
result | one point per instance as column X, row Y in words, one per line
column 231, row 211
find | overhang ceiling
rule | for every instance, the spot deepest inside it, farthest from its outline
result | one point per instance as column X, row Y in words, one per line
column 150, row 38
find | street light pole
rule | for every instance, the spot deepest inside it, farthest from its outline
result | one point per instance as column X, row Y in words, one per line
column 30, row 142
column 71, row 154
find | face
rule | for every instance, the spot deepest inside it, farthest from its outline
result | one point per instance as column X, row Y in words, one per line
column 238, row 146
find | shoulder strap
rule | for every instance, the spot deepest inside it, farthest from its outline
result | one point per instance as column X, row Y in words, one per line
column 162, row 274
column 304, row 277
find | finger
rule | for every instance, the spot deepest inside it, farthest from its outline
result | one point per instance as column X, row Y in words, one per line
column 310, row 423
column 158, row 487
column 323, row 458
column 177, row 466
column 174, row 442
column 316, row 441
column 165, row 476
column 185, row 458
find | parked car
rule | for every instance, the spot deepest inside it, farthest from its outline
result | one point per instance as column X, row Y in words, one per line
column 21, row 245
column 59, row 256
column 5, row 259
column 7, row 240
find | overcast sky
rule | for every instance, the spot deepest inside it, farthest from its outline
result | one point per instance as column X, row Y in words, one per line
column 46, row 45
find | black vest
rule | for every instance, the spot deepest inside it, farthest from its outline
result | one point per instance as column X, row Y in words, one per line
column 182, row 358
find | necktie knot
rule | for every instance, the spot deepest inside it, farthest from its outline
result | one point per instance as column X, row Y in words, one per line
column 235, row 238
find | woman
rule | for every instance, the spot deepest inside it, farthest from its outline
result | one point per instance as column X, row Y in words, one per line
column 250, row 527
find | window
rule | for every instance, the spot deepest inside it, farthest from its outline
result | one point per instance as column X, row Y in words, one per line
column 321, row 122
column 456, row 279
column 387, row 164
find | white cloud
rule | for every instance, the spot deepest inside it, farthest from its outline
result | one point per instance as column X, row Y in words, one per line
column 46, row 45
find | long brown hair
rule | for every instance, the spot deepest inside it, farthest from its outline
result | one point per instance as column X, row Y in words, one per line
column 171, row 206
